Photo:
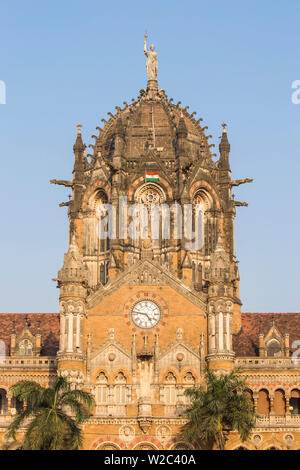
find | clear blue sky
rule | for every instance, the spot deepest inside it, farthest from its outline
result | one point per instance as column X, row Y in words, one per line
column 70, row 61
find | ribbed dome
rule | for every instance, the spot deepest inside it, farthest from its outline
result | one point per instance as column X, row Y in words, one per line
column 152, row 121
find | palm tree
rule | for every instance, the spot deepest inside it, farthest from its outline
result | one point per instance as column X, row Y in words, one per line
column 220, row 406
column 51, row 415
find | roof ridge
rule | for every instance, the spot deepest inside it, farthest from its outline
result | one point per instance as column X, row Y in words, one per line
column 29, row 313
column 272, row 313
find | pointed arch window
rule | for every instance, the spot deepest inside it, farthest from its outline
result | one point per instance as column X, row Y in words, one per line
column 170, row 389
column 120, row 389
column 25, row 348
column 102, row 389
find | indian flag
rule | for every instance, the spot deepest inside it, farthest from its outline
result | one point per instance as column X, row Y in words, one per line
column 152, row 176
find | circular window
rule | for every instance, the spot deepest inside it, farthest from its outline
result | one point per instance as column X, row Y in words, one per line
column 146, row 314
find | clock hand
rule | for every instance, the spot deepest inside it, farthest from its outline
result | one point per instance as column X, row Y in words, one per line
column 143, row 313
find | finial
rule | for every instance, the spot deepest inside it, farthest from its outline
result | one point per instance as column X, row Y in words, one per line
column 224, row 125
column 79, row 126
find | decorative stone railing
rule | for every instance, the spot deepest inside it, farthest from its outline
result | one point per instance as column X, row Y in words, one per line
column 5, row 420
column 45, row 362
column 266, row 362
column 278, row 420
column 110, row 410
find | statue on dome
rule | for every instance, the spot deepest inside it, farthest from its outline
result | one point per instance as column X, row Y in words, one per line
column 151, row 64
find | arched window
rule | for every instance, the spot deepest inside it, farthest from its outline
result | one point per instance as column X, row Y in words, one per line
column 152, row 198
column 102, row 389
column 17, row 404
column 279, row 402
column 250, row 396
column 204, row 221
column 295, row 402
column 3, row 401
column 273, row 348
column 170, row 389
column 189, row 382
column 120, row 389
column 263, row 403
column 103, row 221
column 25, row 348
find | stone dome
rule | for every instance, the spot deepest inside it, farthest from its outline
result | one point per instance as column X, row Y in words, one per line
column 152, row 121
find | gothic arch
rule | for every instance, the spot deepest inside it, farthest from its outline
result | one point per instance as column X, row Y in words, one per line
column 163, row 184
column 101, row 370
column 3, row 401
column 188, row 370
column 150, row 189
column 208, row 189
column 178, row 444
column 125, row 372
column 99, row 196
column 263, row 402
column 111, row 443
column 150, row 442
column 169, row 370
column 97, row 186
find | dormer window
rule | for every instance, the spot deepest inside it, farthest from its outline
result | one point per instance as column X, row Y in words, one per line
column 273, row 348
column 25, row 348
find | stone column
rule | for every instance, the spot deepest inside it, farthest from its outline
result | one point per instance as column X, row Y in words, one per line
column 62, row 332
column 221, row 331
column 287, row 404
column 70, row 332
column 255, row 400
column 212, row 332
column 271, row 398
column 78, row 332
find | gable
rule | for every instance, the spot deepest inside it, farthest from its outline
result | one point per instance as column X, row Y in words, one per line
column 148, row 273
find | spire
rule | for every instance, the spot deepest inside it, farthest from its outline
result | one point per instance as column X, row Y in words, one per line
column 273, row 321
column 73, row 269
column 224, row 149
column 260, row 333
column 79, row 145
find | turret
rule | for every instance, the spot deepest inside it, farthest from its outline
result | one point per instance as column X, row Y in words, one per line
column 72, row 283
column 224, row 148
column 220, row 310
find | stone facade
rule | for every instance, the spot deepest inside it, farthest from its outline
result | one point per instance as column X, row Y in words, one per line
column 101, row 340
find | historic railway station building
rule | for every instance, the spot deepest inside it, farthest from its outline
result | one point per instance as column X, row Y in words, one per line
column 142, row 316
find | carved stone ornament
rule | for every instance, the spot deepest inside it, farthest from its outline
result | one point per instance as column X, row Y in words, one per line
column 127, row 433
column 145, row 424
column 163, row 433
column 257, row 440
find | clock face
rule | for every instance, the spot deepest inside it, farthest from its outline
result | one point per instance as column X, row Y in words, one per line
column 146, row 314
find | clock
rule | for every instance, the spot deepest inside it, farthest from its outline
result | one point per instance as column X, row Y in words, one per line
column 146, row 314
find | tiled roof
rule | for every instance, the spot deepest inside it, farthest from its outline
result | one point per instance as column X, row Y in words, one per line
column 49, row 325
column 245, row 342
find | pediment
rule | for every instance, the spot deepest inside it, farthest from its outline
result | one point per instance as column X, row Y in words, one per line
column 188, row 356
column 274, row 333
column 148, row 272
column 102, row 356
